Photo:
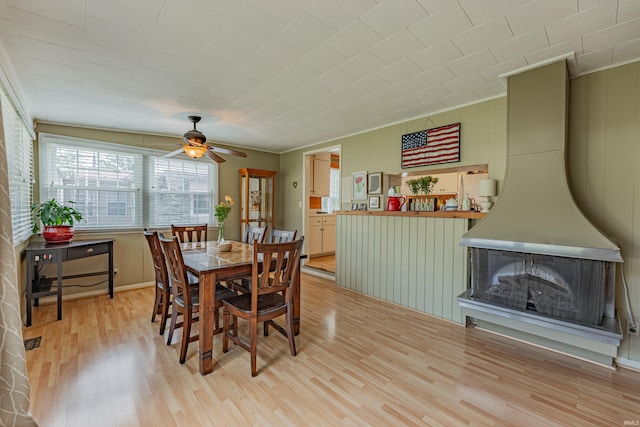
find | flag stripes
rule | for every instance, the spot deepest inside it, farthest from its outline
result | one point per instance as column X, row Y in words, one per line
column 431, row 146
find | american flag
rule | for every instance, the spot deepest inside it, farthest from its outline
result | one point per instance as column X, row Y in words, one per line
column 431, row 146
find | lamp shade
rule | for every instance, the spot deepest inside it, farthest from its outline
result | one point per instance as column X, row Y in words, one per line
column 194, row 152
column 487, row 187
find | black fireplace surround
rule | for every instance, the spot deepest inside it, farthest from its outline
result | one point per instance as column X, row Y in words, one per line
column 564, row 288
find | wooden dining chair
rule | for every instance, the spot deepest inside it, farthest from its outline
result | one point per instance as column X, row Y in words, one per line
column 282, row 236
column 274, row 270
column 186, row 301
column 163, row 288
column 254, row 233
column 190, row 233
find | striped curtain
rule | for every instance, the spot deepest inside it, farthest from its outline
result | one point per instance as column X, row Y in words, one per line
column 14, row 384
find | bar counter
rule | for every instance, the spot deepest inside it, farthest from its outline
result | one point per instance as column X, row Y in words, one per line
column 409, row 258
column 427, row 214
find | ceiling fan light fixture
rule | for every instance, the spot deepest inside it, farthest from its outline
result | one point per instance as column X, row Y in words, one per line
column 194, row 136
column 193, row 151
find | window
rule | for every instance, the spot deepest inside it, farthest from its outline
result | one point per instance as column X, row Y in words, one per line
column 19, row 146
column 106, row 182
column 181, row 192
column 332, row 203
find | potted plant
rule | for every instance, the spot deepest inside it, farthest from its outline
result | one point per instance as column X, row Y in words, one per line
column 426, row 183
column 414, row 186
column 57, row 220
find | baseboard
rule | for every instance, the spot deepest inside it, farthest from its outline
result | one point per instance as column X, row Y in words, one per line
column 623, row 362
column 97, row 292
column 313, row 272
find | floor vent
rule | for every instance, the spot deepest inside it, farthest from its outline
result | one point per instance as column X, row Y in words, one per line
column 32, row 343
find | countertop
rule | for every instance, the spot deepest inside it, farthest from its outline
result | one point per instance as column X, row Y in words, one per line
column 436, row 214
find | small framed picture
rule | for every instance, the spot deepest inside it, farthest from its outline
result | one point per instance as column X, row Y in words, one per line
column 375, row 183
column 354, row 206
column 359, row 182
column 363, row 206
column 374, row 202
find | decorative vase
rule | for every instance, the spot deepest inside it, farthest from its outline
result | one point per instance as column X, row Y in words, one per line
column 220, row 232
column 57, row 233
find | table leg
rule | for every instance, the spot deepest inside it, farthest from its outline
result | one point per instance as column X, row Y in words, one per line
column 110, row 268
column 59, row 293
column 296, row 302
column 207, row 294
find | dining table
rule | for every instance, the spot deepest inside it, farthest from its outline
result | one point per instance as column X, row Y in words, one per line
column 211, row 266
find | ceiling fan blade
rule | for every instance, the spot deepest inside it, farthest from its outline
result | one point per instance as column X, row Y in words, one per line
column 228, row 151
column 173, row 153
column 213, row 156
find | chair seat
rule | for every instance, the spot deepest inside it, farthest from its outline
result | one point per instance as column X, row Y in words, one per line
column 266, row 303
column 221, row 293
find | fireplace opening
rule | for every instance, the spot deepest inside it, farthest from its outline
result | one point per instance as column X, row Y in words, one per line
column 565, row 288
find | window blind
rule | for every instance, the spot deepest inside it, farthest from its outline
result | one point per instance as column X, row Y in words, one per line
column 118, row 187
column 19, row 146
column 181, row 191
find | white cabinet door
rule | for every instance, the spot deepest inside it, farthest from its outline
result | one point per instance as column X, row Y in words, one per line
column 321, row 175
column 447, row 184
column 329, row 238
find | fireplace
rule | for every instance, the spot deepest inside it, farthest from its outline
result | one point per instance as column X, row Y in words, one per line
column 570, row 289
column 541, row 271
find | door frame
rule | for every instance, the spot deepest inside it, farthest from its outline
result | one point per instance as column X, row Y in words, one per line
column 305, row 197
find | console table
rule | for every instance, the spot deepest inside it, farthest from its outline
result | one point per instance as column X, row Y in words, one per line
column 57, row 253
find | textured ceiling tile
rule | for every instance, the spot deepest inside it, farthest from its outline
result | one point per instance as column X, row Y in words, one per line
column 527, row 42
column 567, row 47
column 112, row 57
column 322, row 58
column 353, row 39
column 305, row 32
column 434, row 76
column 493, row 73
column 538, row 14
column 141, row 15
column 626, row 51
column 587, row 61
column 437, row 54
column 278, row 53
column 584, row 22
column 482, row 36
column 363, row 64
column 620, row 33
column 338, row 14
column 396, row 47
column 491, row 90
column 628, row 9
column 402, row 69
column 249, row 25
column 483, row 11
column 298, row 74
column 441, row 25
column 69, row 11
column 49, row 30
column 50, row 52
column 280, row 10
column 174, row 41
column 392, row 16
column 469, row 81
column 110, row 35
column 470, row 63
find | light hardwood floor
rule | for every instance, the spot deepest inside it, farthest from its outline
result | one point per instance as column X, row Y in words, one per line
column 326, row 263
column 360, row 362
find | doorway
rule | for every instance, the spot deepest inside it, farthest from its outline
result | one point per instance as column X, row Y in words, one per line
column 321, row 200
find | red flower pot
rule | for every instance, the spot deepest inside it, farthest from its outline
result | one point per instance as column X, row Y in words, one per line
column 57, row 233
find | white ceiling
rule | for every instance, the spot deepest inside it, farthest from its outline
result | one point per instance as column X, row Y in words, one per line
column 280, row 74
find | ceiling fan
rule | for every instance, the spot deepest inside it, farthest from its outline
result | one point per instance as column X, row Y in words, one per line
column 196, row 145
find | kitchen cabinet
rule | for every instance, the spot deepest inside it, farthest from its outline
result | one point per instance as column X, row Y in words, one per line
column 447, row 184
column 321, row 234
column 319, row 174
column 257, row 188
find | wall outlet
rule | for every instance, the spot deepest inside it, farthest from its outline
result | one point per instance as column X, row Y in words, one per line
column 633, row 329
column 115, row 271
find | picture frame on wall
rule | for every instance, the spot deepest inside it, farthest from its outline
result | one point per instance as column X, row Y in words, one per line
column 354, row 206
column 359, row 183
column 374, row 202
column 375, row 183
column 363, row 206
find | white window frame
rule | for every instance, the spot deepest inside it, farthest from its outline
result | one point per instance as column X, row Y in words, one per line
column 137, row 192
